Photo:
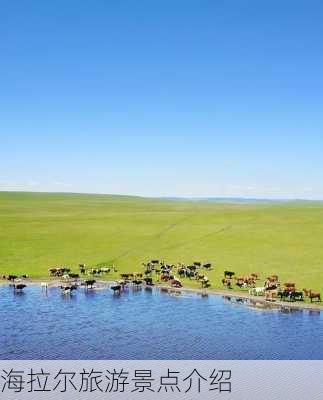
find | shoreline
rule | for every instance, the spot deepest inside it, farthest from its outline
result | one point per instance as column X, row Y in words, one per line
column 277, row 304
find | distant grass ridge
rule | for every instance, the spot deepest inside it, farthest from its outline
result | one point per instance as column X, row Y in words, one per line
column 42, row 230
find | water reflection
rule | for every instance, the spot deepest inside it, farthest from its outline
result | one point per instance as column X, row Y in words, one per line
column 97, row 324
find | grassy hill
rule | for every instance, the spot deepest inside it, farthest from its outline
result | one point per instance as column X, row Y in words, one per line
column 41, row 230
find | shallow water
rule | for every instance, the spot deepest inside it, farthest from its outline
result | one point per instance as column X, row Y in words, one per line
column 150, row 324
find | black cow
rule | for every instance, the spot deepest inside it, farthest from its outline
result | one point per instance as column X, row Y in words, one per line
column 116, row 288
column 207, row 266
column 20, row 287
column 149, row 281
column 89, row 283
column 296, row 296
column 291, row 295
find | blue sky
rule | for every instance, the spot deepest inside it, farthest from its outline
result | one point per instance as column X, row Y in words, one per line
column 162, row 98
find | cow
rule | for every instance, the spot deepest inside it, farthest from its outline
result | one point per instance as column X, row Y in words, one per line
column 229, row 274
column 312, row 295
column 227, row 282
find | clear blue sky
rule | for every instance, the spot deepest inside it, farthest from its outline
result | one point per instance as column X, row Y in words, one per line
column 162, row 98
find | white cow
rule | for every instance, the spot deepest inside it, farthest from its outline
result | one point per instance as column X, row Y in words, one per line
column 257, row 291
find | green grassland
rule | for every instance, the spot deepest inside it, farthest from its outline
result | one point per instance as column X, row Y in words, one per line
column 41, row 230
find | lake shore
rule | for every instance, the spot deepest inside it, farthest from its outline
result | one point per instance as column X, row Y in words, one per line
column 258, row 301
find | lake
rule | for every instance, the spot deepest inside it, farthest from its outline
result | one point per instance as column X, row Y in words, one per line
column 150, row 324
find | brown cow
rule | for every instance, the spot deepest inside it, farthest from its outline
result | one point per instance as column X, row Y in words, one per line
column 289, row 285
column 312, row 295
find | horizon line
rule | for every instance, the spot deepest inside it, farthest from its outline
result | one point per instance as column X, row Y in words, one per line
column 171, row 197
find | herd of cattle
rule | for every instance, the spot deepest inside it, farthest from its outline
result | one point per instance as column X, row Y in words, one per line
column 172, row 274
column 66, row 272
column 169, row 272
column 271, row 287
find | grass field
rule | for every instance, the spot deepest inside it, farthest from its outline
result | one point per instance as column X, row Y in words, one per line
column 39, row 231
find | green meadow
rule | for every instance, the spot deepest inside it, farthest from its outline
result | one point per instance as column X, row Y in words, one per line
column 41, row 230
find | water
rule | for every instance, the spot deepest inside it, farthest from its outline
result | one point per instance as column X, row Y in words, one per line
column 149, row 324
